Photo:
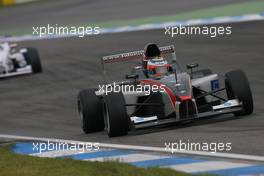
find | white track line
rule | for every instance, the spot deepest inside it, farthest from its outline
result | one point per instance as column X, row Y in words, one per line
column 143, row 148
column 59, row 153
column 207, row 166
column 143, row 27
column 128, row 158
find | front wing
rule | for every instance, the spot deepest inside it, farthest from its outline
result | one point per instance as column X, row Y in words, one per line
column 21, row 71
column 229, row 107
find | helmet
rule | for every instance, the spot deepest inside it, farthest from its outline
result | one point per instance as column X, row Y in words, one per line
column 157, row 67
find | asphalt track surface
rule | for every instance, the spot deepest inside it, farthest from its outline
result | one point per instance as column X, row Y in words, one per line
column 44, row 105
column 67, row 12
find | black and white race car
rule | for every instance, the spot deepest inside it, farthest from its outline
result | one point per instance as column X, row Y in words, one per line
column 177, row 95
column 14, row 61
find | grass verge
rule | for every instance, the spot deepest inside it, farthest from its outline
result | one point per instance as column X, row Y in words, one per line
column 12, row 164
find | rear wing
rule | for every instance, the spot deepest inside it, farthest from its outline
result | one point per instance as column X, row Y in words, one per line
column 136, row 55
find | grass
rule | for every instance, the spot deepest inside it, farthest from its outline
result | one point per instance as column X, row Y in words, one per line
column 12, row 164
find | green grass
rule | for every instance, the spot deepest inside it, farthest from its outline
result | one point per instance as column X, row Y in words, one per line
column 12, row 164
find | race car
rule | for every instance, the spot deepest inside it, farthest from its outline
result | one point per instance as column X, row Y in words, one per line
column 179, row 96
column 14, row 61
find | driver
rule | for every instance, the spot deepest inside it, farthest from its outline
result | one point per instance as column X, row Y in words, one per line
column 154, row 65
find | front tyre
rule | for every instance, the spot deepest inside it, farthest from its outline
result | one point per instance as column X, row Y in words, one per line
column 237, row 87
column 116, row 118
column 32, row 58
column 90, row 111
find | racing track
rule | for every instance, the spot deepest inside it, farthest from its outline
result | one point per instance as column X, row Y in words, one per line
column 44, row 105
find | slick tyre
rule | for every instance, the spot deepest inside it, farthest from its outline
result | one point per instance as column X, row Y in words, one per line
column 90, row 111
column 32, row 58
column 115, row 114
column 237, row 87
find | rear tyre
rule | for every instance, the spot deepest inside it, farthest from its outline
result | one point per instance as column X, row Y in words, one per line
column 115, row 114
column 90, row 111
column 237, row 86
column 32, row 58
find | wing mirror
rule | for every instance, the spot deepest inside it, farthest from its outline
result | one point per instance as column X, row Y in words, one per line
column 191, row 67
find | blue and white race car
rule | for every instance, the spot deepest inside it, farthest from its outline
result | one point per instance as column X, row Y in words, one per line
column 14, row 61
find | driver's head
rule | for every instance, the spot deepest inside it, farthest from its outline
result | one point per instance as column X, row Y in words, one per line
column 151, row 51
column 154, row 64
column 157, row 67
